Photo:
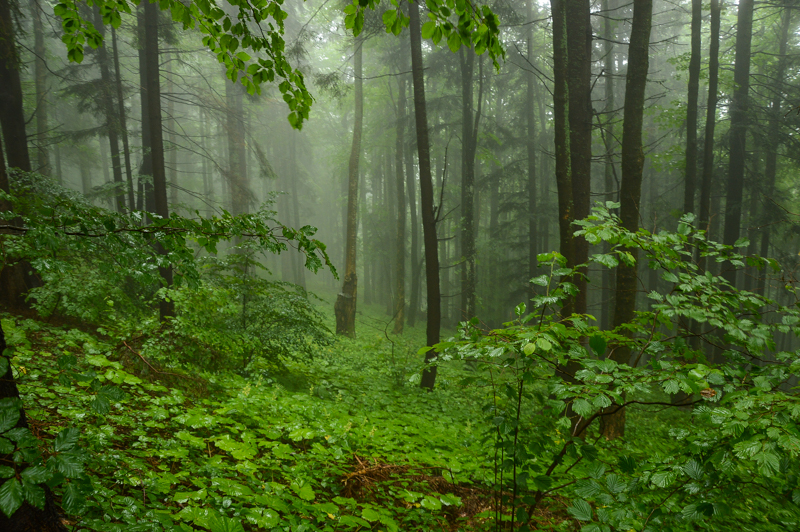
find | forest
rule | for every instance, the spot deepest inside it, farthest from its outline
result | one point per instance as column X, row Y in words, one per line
column 453, row 265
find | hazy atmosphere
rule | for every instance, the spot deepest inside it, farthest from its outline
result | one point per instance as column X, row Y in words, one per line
column 454, row 265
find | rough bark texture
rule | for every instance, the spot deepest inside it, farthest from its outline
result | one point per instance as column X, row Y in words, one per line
column 166, row 308
column 690, row 175
column 773, row 134
column 400, row 236
column 579, row 79
column 345, row 306
column 738, row 131
column 40, row 84
column 562, row 140
column 112, row 120
column 426, row 195
column 12, row 118
column 613, row 425
column 146, row 200
column 123, row 128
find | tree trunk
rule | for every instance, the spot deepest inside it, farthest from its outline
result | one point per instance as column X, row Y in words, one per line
column 112, row 122
column 711, row 121
column 123, row 128
column 416, row 265
column 146, row 200
column 609, row 141
column 579, row 79
column 562, row 140
column 173, row 148
column 237, row 155
column 345, row 306
column 166, row 308
column 40, row 83
column 12, row 118
column 468, row 123
column 773, row 135
column 738, row 131
column 631, row 186
column 299, row 270
column 691, row 113
column 400, row 237
column 426, row 192
column 530, row 117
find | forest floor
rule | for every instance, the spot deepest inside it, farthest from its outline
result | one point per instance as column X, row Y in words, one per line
column 344, row 441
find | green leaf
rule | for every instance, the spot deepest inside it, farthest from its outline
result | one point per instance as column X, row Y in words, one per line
column 219, row 523
column 428, row 29
column 73, row 499
column 581, row 510
column 6, row 472
column 431, row 503
column 10, row 496
column 598, row 344
column 454, row 42
column 36, row 474
column 9, row 414
column 66, row 440
column 693, row 469
column 615, row 484
column 34, row 494
column 541, row 280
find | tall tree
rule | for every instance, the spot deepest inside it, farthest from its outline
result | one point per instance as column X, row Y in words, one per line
column 566, row 213
column 237, row 154
column 416, row 266
column 112, row 121
column 40, row 84
column 469, row 130
column 631, row 187
column 166, row 308
column 738, row 130
column 773, row 129
column 530, row 119
column 400, row 237
column 579, row 79
column 690, row 172
column 123, row 128
column 433, row 325
column 711, row 120
column 345, row 306
column 609, row 143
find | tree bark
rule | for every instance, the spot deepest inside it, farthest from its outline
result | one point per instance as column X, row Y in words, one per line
column 773, row 134
column 12, row 118
column 468, row 123
column 579, row 79
column 609, row 141
column 690, row 174
column 564, row 181
column 40, row 84
column 433, row 325
column 416, row 265
column 530, row 118
column 146, row 199
column 711, row 121
column 400, row 237
column 631, row 186
column 237, row 155
column 738, row 131
column 166, row 308
column 112, row 121
column 173, row 147
column 123, row 128
column 345, row 306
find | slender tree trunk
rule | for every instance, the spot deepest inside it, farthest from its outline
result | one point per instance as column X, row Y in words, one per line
column 711, row 120
column 426, row 189
column 40, row 83
column 691, row 113
column 173, row 148
column 738, row 131
column 530, row 117
column 112, row 122
column 146, row 198
column 468, row 121
column 564, row 181
column 123, row 128
column 416, row 265
column 609, row 141
column 12, row 118
column 166, row 308
column 579, row 79
column 631, row 186
column 299, row 270
column 345, row 306
column 773, row 135
column 400, row 238
column 237, row 155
